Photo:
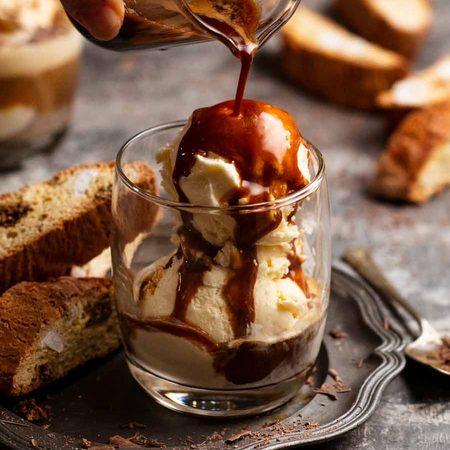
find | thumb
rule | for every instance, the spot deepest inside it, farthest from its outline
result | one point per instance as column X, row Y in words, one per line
column 102, row 18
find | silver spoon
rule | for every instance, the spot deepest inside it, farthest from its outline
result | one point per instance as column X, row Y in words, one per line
column 427, row 346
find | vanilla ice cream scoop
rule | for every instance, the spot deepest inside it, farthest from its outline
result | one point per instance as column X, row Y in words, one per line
column 280, row 304
column 220, row 160
column 217, row 155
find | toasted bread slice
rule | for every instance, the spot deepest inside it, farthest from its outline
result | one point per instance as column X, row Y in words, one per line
column 322, row 56
column 420, row 89
column 416, row 164
column 48, row 227
column 399, row 25
column 49, row 328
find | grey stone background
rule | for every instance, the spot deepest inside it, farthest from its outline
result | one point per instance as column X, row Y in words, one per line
column 120, row 94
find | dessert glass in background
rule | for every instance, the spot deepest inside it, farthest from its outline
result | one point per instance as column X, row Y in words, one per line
column 39, row 62
column 187, row 343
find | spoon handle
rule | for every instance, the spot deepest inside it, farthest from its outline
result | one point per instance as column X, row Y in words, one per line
column 362, row 261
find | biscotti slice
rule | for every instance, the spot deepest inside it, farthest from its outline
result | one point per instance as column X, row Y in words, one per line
column 49, row 328
column 399, row 25
column 420, row 89
column 98, row 267
column 46, row 228
column 416, row 164
column 323, row 57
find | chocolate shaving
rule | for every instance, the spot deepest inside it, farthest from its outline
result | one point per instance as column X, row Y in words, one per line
column 34, row 443
column 311, row 425
column 31, row 411
column 146, row 442
column 328, row 390
column 386, row 323
column 216, row 436
column 119, row 441
column 238, row 436
column 271, row 430
column 136, row 441
column 342, row 388
column 331, row 390
column 85, row 443
column 338, row 334
column 334, row 373
column 271, row 423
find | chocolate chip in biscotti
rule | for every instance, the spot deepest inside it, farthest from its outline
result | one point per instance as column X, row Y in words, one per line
column 11, row 214
column 99, row 312
column 104, row 192
column 45, row 374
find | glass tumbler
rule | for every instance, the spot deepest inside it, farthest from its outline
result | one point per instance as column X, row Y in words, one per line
column 39, row 65
column 181, row 311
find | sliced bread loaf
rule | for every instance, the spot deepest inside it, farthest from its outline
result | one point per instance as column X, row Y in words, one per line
column 49, row 328
column 420, row 89
column 323, row 57
column 416, row 164
column 46, row 228
column 399, row 25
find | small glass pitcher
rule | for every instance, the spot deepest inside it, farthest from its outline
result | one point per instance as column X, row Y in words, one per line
column 161, row 24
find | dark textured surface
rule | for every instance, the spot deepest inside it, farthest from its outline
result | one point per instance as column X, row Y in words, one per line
column 122, row 94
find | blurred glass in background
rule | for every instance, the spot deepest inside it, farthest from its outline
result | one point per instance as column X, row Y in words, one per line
column 39, row 62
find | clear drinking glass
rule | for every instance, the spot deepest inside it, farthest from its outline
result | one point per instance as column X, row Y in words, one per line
column 191, row 364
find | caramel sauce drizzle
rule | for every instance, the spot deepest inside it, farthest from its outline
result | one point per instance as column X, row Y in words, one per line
column 236, row 22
